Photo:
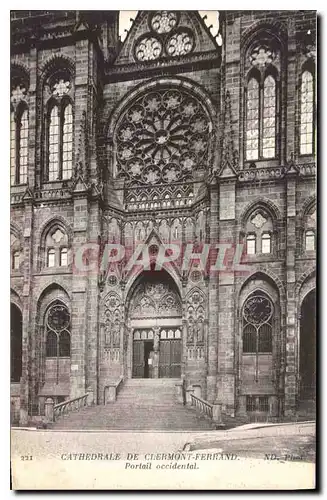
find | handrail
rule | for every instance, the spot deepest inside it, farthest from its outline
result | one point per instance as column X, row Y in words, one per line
column 70, row 405
column 202, row 405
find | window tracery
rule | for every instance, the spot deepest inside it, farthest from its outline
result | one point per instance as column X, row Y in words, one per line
column 163, row 21
column 180, row 43
column 165, row 38
column 59, row 133
column 56, row 248
column 262, row 66
column 257, row 324
column 19, row 144
column 161, row 138
column 309, row 242
column 58, row 331
column 307, row 113
column 258, row 233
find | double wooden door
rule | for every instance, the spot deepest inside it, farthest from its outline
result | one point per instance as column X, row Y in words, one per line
column 170, row 358
column 170, row 351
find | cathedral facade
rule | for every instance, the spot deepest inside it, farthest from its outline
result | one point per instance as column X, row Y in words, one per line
column 174, row 138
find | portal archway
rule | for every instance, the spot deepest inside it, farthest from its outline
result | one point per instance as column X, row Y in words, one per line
column 16, row 326
column 307, row 347
column 154, row 314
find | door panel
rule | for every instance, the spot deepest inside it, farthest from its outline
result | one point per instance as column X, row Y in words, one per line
column 138, row 359
column 175, row 358
column 170, row 359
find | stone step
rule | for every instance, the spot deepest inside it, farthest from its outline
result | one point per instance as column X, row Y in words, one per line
column 141, row 404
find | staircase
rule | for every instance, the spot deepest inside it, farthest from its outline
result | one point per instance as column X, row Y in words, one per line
column 142, row 404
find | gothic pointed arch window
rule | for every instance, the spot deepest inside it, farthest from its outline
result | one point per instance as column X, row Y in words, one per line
column 257, row 317
column 57, row 324
column 259, row 232
column 19, row 144
column 307, row 110
column 55, row 251
column 309, row 233
column 19, row 126
column 59, row 127
column 262, row 84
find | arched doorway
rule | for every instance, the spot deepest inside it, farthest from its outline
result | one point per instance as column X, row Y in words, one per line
column 155, row 317
column 16, row 325
column 307, row 358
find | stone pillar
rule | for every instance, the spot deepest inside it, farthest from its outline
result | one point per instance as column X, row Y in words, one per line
column 290, row 361
column 156, row 348
column 79, row 299
column 93, row 319
column 226, row 317
column 49, row 409
column 213, row 300
column 184, row 348
column 28, row 383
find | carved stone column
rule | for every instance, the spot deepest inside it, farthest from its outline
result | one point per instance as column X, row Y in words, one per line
column 156, row 345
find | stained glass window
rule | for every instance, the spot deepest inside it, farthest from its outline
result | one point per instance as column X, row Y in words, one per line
column 310, row 241
column 266, row 243
column 18, row 146
column 12, row 148
column 23, row 147
column 51, row 348
column 51, row 258
column 180, row 43
column 252, row 120
column 257, row 324
column 64, row 344
column 307, row 122
column 161, row 138
column 249, row 339
column 251, row 244
column 163, row 21
column 58, row 331
column 64, row 257
column 54, row 144
column 148, row 49
column 15, row 260
column 269, row 117
column 67, row 143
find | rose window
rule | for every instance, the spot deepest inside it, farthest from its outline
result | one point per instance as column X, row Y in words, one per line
column 162, row 137
column 257, row 309
column 164, row 21
column 148, row 49
column 180, row 43
column 58, row 317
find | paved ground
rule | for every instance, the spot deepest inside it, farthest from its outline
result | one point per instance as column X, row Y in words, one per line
column 103, row 460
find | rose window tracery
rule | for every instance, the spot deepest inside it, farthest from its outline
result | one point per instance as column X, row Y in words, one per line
column 148, row 49
column 257, row 309
column 165, row 38
column 180, row 43
column 162, row 137
column 163, row 21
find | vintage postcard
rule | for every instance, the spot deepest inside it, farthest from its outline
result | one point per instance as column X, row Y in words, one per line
column 163, row 249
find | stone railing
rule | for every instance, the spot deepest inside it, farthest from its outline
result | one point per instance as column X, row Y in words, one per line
column 111, row 390
column 258, row 174
column 53, row 412
column 212, row 411
column 308, row 169
column 52, row 194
